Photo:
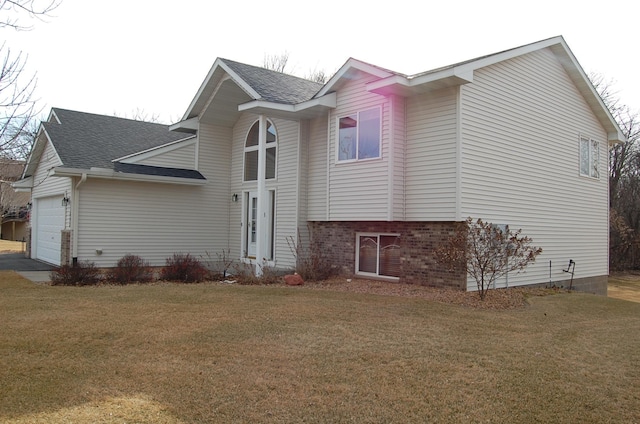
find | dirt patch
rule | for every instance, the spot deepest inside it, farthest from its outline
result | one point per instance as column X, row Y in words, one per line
column 498, row 299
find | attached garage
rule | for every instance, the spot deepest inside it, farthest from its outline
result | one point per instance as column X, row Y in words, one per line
column 48, row 215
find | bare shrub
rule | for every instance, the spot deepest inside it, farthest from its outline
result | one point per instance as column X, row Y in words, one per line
column 81, row 274
column 487, row 252
column 312, row 263
column 183, row 268
column 245, row 274
column 130, row 269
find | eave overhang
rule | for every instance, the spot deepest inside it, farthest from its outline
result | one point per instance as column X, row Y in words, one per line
column 409, row 86
column 110, row 174
column 189, row 126
column 305, row 110
column 23, row 186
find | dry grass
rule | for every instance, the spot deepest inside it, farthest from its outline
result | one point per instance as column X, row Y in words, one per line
column 7, row 246
column 625, row 286
column 219, row 353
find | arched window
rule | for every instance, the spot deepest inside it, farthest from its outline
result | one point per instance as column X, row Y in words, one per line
column 251, row 152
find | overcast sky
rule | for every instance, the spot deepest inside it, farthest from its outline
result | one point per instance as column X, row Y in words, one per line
column 119, row 56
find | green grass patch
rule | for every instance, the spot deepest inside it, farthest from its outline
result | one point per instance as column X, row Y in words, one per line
column 217, row 353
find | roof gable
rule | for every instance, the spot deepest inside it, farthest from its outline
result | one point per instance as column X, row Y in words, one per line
column 238, row 83
column 85, row 140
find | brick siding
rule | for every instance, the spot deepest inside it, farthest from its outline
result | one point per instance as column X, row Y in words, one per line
column 418, row 241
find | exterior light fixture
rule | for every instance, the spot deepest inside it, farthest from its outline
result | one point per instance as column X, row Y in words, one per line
column 65, row 201
column 234, row 197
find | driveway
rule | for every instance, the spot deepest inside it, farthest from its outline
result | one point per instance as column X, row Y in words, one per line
column 17, row 262
column 30, row 269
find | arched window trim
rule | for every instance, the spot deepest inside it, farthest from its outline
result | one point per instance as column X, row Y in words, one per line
column 270, row 171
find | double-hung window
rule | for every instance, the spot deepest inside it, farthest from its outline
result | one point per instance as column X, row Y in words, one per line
column 589, row 157
column 359, row 135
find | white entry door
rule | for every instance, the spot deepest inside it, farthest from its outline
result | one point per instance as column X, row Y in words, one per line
column 252, row 224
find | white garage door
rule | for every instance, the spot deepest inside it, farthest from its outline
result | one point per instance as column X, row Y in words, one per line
column 49, row 222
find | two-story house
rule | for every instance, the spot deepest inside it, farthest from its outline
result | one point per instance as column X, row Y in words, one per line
column 374, row 165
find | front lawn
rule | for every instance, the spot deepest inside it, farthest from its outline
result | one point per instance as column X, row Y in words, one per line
column 169, row 353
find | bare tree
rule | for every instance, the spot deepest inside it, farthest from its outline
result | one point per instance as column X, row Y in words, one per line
column 624, row 180
column 317, row 75
column 17, row 105
column 17, row 102
column 12, row 11
column 486, row 252
column 276, row 62
column 140, row 115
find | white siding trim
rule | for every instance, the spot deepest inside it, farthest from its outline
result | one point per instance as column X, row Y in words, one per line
column 458, row 200
column 159, row 150
column 391, row 159
column 328, row 196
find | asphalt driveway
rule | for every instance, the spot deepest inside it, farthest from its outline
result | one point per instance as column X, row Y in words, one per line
column 17, row 262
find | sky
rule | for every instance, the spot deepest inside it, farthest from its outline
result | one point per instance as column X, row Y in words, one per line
column 121, row 56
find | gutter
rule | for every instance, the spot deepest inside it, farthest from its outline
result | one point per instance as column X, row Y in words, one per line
column 110, row 174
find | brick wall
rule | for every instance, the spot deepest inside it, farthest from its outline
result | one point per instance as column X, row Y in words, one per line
column 418, row 241
column 27, row 239
column 65, row 247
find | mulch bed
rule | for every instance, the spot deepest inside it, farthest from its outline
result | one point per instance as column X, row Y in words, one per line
column 499, row 299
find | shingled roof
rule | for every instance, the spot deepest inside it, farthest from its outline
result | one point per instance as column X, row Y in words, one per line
column 275, row 86
column 86, row 140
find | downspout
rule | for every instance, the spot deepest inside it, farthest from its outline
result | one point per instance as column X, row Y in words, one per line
column 75, row 207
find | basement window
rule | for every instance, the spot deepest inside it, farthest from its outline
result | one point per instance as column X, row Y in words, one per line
column 378, row 255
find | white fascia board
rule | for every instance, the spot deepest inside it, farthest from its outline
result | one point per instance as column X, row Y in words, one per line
column 328, row 101
column 352, row 64
column 406, row 86
column 110, row 174
column 23, row 186
column 246, row 87
column 144, row 154
column 37, row 150
column 188, row 124
column 205, row 86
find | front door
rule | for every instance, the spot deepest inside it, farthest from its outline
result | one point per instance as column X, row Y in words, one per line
column 252, row 224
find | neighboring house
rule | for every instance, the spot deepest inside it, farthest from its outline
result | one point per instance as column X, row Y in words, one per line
column 377, row 166
column 14, row 206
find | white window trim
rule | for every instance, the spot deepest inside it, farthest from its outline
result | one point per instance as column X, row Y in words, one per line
column 591, row 142
column 357, row 261
column 337, row 144
column 268, row 145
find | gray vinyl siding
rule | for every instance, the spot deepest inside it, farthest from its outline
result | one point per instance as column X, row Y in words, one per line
column 43, row 184
column 316, row 170
column 182, row 157
column 119, row 218
column 430, row 185
column 521, row 123
column 132, row 217
column 286, row 188
column 359, row 190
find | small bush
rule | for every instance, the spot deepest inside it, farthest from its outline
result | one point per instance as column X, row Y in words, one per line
column 183, row 268
column 312, row 262
column 220, row 266
column 82, row 274
column 130, row 269
column 246, row 275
